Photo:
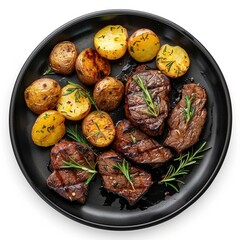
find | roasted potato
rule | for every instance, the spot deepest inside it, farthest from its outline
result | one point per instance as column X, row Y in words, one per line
column 91, row 67
column 143, row 45
column 63, row 57
column 173, row 61
column 98, row 128
column 108, row 93
column 73, row 103
column 42, row 95
column 111, row 41
column 48, row 128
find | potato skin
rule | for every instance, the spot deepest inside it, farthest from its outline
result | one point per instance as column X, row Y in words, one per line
column 63, row 57
column 91, row 67
column 71, row 106
column 48, row 128
column 98, row 128
column 143, row 45
column 111, row 41
column 108, row 93
column 173, row 61
column 42, row 95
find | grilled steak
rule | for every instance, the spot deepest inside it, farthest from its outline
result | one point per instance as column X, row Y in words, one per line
column 183, row 134
column 139, row 147
column 137, row 110
column 70, row 182
column 115, row 181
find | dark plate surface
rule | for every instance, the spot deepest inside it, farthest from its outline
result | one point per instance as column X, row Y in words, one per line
column 106, row 210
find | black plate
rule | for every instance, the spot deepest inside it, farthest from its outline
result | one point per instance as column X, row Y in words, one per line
column 106, row 210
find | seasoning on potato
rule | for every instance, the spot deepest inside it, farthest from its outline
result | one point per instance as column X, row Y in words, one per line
column 63, row 57
column 42, row 95
column 143, row 45
column 98, row 128
column 111, row 41
column 173, row 61
column 73, row 104
column 108, row 93
column 91, row 67
column 48, row 128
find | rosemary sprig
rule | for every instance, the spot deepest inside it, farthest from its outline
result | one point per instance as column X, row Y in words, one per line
column 185, row 160
column 96, row 133
column 169, row 65
column 80, row 93
column 74, row 135
column 153, row 109
column 124, row 168
column 74, row 164
column 49, row 71
column 189, row 110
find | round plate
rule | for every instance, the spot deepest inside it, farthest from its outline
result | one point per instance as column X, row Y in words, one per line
column 105, row 210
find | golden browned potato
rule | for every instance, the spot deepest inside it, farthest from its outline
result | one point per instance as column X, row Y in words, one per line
column 48, row 128
column 73, row 103
column 63, row 57
column 91, row 67
column 42, row 95
column 173, row 61
column 108, row 93
column 143, row 45
column 98, row 128
column 111, row 41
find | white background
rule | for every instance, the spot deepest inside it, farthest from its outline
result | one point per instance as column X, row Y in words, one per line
column 24, row 24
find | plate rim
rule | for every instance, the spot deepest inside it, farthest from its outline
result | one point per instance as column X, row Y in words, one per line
column 150, row 16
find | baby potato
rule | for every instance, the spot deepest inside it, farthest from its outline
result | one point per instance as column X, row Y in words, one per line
column 108, row 93
column 143, row 45
column 98, row 128
column 173, row 61
column 42, row 95
column 48, row 128
column 91, row 67
column 72, row 104
column 63, row 57
column 111, row 41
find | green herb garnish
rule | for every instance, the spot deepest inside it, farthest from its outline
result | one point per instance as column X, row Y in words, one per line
column 74, row 135
column 185, row 160
column 80, row 92
column 124, row 168
column 189, row 110
column 97, row 133
column 153, row 109
column 73, row 164
column 49, row 71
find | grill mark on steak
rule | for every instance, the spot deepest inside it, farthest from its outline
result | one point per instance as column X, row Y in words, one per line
column 139, row 147
column 70, row 183
column 136, row 109
column 181, row 135
column 114, row 180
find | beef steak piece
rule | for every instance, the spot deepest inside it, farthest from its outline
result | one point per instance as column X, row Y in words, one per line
column 139, row 147
column 70, row 183
column 136, row 109
column 115, row 181
column 183, row 134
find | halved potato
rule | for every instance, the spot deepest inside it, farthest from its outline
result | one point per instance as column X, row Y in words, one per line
column 42, row 95
column 143, row 45
column 111, row 41
column 108, row 93
column 73, row 103
column 91, row 67
column 48, row 128
column 63, row 57
column 173, row 61
column 98, row 128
